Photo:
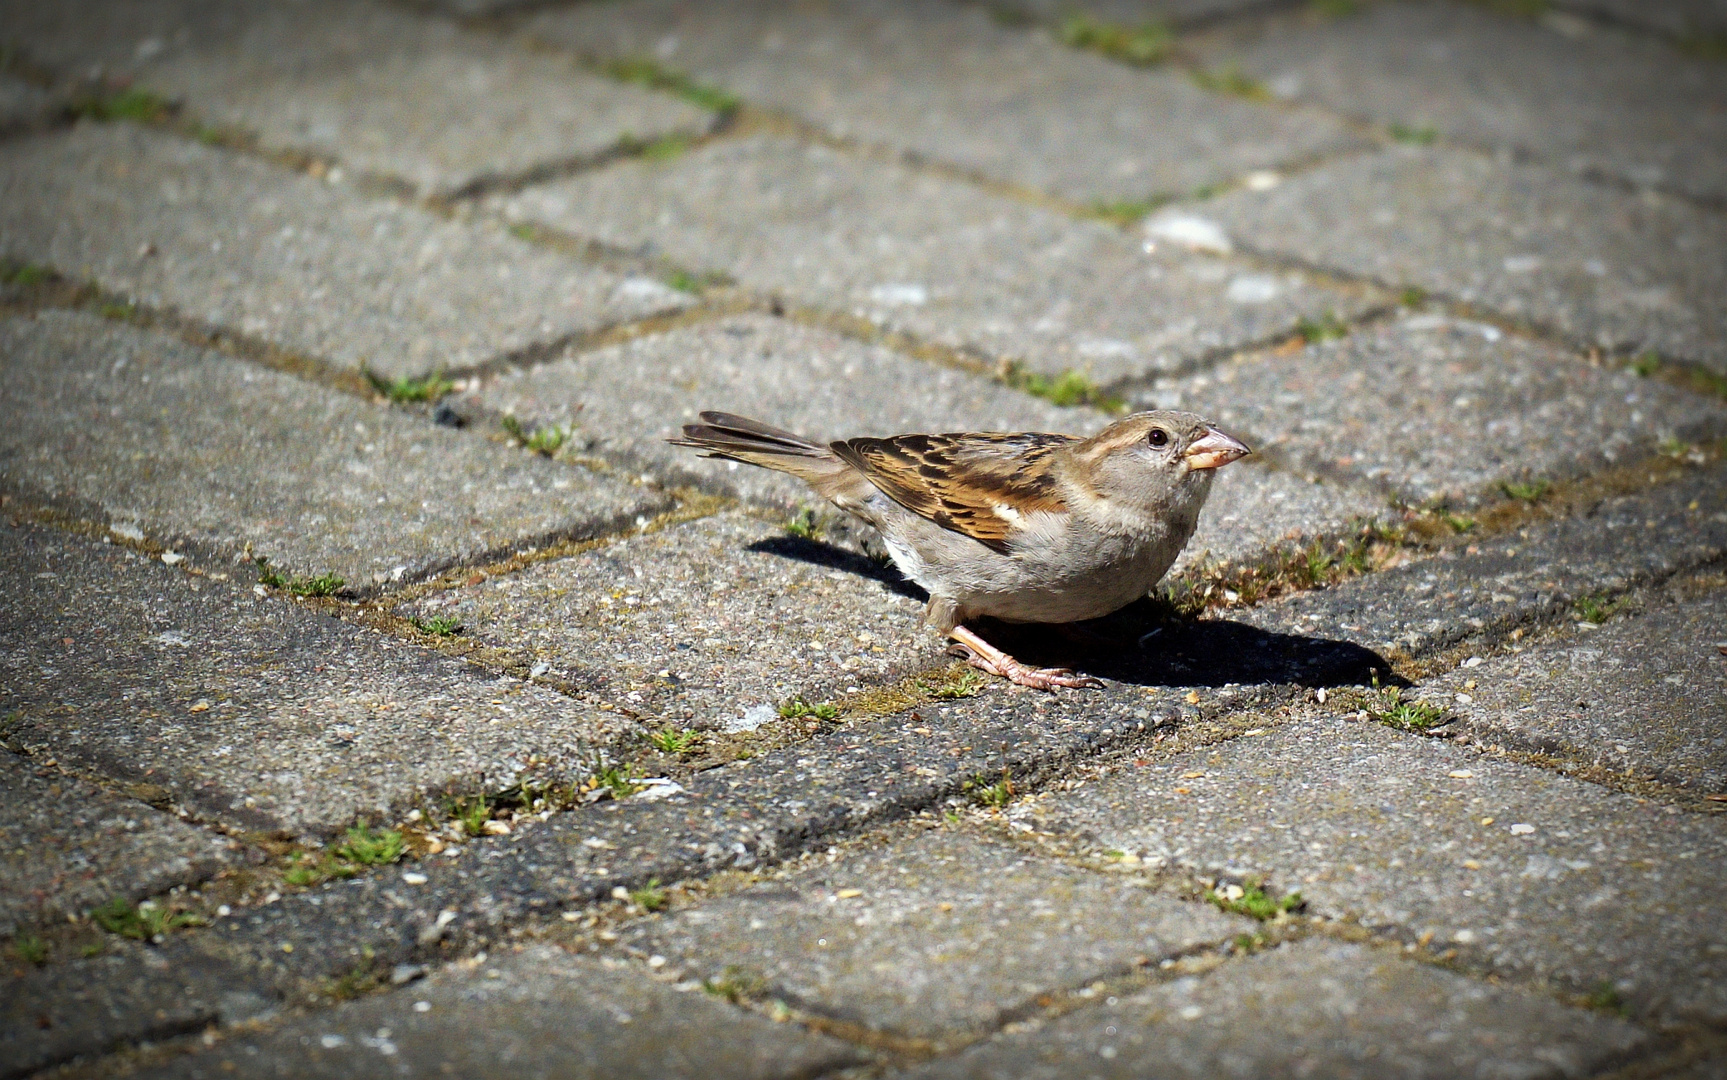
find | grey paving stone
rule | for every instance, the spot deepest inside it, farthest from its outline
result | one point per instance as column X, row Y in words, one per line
column 624, row 400
column 1527, row 874
column 1617, row 270
column 304, row 264
column 379, row 89
column 913, row 251
column 1644, row 694
column 537, row 1013
column 1314, row 1008
column 192, row 447
column 1694, row 22
column 1427, row 407
column 935, row 935
column 950, row 83
column 87, row 1008
column 67, row 846
column 249, row 710
column 1135, row 13
column 1488, row 590
column 1624, row 105
column 712, row 623
column 22, row 104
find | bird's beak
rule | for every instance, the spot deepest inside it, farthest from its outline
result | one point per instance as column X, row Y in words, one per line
column 1214, row 449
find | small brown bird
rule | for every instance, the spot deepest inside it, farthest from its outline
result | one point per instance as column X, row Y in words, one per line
column 1024, row 527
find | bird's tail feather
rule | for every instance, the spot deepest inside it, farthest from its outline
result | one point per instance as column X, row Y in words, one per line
column 738, row 438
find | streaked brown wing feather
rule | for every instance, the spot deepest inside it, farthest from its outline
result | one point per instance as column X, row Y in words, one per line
column 957, row 481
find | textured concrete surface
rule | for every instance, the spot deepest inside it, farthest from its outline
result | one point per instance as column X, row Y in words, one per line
column 1586, row 100
column 1428, row 407
column 372, row 87
column 1693, row 22
column 250, row 710
column 915, row 251
column 952, row 84
column 306, row 265
column 1487, row 590
column 67, row 846
column 187, row 446
column 543, row 1012
column 22, row 104
column 1645, row 694
column 941, row 932
column 1622, row 271
column 1525, row 873
column 711, row 624
column 1315, row 1008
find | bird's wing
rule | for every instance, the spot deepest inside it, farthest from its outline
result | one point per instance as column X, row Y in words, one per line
column 981, row 485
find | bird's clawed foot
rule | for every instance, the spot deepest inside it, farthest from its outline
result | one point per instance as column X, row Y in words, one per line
column 982, row 655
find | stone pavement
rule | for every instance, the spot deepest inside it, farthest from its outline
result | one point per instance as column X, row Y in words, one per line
column 381, row 695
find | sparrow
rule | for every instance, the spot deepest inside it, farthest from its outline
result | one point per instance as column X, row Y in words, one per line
column 1022, row 527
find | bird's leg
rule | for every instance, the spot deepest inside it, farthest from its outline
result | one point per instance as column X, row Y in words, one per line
column 984, row 656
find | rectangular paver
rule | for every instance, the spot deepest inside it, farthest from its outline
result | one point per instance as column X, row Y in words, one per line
column 1427, row 407
column 1491, row 588
column 379, row 89
column 1315, row 1008
column 911, row 250
column 538, row 1013
column 932, row 936
column 950, row 83
column 1629, row 106
column 155, row 438
column 623, row 401
column 67, row 846
column 250, row 710
column 1525, row 873
column 306, row 265
column 1645, row 695
column 1605, row 267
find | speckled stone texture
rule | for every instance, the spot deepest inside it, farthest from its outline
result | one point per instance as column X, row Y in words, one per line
column 1314, row 1008
column 375, row 88
column 1488, row 590
column 914, row 251
column 250, row 710
column 1584, row 99
column 1527, row 874
column 1644, row 695
column 240, row 462
column 951, row 83
column 712, row 624
column 305, row 265
column 22, row 104
column 938, row 933
column 67, row 846
column 1428, row 407
column 1693, row 22
column 543, row 1013
column 1605, row 267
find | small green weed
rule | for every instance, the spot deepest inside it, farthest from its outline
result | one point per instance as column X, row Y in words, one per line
column 141, row 922
column 796, row 708
column 672, row 740
column 522, row 230
column 1403, row 715
column 953, row 683
column 1146, row 44
column 1596, row 609
column 27, row 275
column 1414, row 296
column 1068, row 389
column 650, row 73
column 322, row 585
column 1606, row 998
column 736, row 983
column 618, row 780
column 427, row 388
column 358, row 981
column 130, row 104
column 1251, row 900
column 439, row 625
column 120, row 310
column 472, row 814
column 364, row 847
column 649, row 897
column 1231, row 81
column 1526, row 491
column 1126, row 212
column 269, row 576
column 665, row 148
column 803, row 524
column 547, row 439
column 1646, row 363
column 1327, row 327
column 1415, row 136
column 30, row 949
column 992, row 796
column 1334, row 9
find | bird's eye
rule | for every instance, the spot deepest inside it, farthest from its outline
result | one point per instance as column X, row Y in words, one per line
column 1158, row 437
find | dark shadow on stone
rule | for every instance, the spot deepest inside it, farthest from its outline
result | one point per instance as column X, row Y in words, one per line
column 817, row 553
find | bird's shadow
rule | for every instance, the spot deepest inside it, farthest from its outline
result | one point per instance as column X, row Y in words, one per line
column 1145, row 643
